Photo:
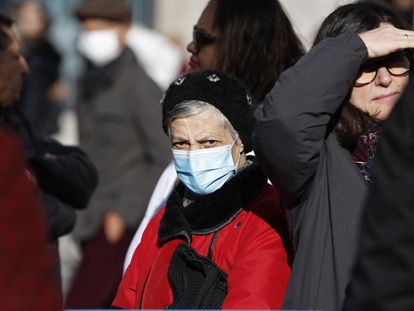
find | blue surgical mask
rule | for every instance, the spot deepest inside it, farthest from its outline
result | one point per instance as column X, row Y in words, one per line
column 204, row 171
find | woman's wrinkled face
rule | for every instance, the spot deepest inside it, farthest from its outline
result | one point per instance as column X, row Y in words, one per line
column 379, row 97
column 205, row 56
column 202, row 131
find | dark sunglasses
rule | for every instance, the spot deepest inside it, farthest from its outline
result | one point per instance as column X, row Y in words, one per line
column 201, row 38
column 398, row 64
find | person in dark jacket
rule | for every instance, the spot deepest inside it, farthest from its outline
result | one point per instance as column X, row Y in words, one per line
column 316, row 135
column 40, row 96
column 221, row 241
column 383, row 278
column 65, row 176
column 119, row 127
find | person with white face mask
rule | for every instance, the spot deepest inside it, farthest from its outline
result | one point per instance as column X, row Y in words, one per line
column 221, row 240
column 119, row 117
column 100, row 46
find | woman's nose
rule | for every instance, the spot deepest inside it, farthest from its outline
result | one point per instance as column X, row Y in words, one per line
column 195, row 146
column 24, row 67
column 384, row 78
column 191, row 48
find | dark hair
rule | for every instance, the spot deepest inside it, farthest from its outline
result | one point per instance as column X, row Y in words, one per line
column 5, row 39
column 256, row 42
column 358, row 17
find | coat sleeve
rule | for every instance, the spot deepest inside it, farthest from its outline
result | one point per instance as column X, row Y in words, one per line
column 60, row 217
column 70, row 176
column 126, row 295
column 259, row 276
column 136, row 274
column 293, row 120
column 386, row 249
column 145, row 110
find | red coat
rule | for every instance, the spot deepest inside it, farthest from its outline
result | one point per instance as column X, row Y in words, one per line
column 251, row 246
column 27, row 276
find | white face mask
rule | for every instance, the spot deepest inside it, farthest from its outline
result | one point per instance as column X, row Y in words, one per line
column 99, row 46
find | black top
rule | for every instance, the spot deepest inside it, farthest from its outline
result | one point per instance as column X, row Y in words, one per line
column 35, row 102
column 67, row 181
column 384, row 274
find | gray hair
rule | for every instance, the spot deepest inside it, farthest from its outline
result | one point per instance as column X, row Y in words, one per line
column 191, row 108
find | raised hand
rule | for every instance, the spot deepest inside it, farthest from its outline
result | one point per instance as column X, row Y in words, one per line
column 387, row 39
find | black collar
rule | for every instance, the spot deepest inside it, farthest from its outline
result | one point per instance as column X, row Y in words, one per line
column 96, row 79
column 211, row 212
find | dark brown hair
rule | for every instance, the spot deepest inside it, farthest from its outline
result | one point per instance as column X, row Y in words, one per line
column 358, row 17
column 5, row 40
column 256, row 42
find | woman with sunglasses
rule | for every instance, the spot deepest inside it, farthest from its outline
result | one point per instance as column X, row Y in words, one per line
column 252, row 40
column 328, row 112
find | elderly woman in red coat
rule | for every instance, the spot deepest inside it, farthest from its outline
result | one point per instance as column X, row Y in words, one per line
column 221, row 241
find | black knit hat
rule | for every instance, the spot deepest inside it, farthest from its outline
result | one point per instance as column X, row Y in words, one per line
column 113, row 10
column 221, row 90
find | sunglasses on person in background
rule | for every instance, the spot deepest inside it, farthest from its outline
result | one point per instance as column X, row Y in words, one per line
column 398, row 64
column 201, row 38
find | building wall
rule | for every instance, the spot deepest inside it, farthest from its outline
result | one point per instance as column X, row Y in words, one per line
column 307, row 15
column 176, row 18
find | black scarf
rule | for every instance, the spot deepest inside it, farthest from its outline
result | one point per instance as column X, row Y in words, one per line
column 364, row 153
column 96, row 79
column 210, row 213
